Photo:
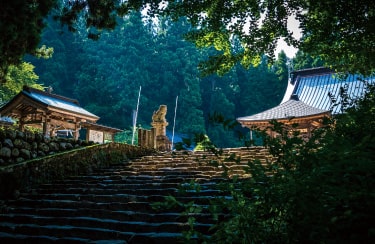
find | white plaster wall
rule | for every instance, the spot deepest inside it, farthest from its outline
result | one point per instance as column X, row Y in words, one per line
column 96, row 136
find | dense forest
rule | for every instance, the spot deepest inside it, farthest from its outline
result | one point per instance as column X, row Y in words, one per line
column 105, row 75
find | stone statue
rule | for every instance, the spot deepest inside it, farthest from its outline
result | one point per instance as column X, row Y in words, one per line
column 159, row 115
column 156, row 137
column 159, row 124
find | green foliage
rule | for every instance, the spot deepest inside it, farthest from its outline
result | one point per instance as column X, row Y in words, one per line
column 341, row 34
column 333, row 180
column 303, row 61
column 59, row 70
column 203, row 143
column 44, row 52
column 17, row 77
column 185, row 144
column 21, row 25
column 338, row 32
column 126, row 137
column 319, row 190
column 260, row 89
column 282, row 66
column 241, row 32
column 152, row 55
column 226, row 132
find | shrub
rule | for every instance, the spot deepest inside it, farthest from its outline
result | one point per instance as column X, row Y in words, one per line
column 321, row 190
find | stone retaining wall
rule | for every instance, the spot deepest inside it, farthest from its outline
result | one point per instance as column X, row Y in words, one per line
column 29, row 173
column 17, row 146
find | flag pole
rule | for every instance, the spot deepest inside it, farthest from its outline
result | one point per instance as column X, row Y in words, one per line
column 174, row 120
column 136, row 115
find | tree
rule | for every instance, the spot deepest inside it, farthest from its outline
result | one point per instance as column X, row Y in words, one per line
column 18, row 76
column 325, row 191
column 21, row 25
column 303, row 61
column 112, row 68
column 340, row 32
column 59, row 70
column 260, row 89
column 190, row 102
column 321, row 190
column 282, row 67
column 219, row 132
column 155, row 56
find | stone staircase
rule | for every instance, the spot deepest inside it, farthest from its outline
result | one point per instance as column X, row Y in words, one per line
column 115, row 204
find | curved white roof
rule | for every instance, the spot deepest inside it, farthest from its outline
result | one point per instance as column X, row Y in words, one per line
column 310, row 92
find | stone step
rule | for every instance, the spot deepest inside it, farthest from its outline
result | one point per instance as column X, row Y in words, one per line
column 117, row 194
column 188, row 163
column 21, row 239
column 157, row 217
column 197, row 197
column 146, row 180
column 12, row 221
column 124, row 193
column 145, row 206
column 47, row 203
column 33, row 232
column 115, row 187
column 118, row 204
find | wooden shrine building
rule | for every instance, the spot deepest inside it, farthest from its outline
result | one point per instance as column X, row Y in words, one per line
column 52, row 113
column 308, row 99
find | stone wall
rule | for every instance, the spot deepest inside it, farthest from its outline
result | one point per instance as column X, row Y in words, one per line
column 17, row 146
column 25, row 175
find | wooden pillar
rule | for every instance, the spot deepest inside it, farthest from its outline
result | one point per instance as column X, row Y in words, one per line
column 88, row 134
column 46, row 125
column 76, row 129
column 309, row 131
column 21, row 124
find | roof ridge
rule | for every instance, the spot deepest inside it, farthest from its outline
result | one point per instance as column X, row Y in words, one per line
column 292, row 107
column 34, row 90
column 308, row 72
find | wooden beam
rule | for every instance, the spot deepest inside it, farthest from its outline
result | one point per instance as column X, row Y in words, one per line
column 67, row 114
column 39, row 121
column 63, row 124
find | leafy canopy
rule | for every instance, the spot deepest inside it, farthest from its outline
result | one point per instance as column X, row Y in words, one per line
column 17, row 77
column 341, row 32
column 21, row 25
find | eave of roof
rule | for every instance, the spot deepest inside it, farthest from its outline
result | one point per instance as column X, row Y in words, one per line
column 291, row 109
column 50, row 101
column 100, row 127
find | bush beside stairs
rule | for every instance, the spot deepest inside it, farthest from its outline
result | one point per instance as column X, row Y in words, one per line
column 116, row 204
